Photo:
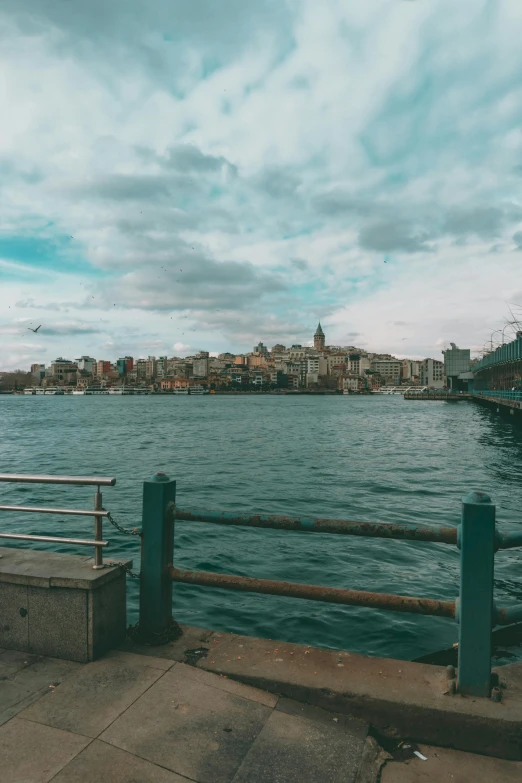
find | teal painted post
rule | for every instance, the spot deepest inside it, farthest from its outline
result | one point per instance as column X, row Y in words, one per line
column 477, row 554
column 157, row 549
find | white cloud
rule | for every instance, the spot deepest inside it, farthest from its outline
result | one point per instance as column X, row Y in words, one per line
column 274, row 155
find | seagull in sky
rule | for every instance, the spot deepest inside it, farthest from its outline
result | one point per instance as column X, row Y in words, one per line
column 33, row 330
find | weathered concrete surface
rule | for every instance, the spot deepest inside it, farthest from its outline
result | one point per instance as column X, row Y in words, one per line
column 25, row 677
column 101, row 763
column 57, row 605
column 90, row 701
column 452, row 766
column 400, row 698
column 30, row 753
column 158, row 721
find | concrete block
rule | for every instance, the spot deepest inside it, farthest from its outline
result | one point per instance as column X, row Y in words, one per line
column 34, row 754
column 14, row 624
column 92, row 699
column 105, row 763
column 57, row 605
column 106, row 616
column 193, row 729
column 58, row 623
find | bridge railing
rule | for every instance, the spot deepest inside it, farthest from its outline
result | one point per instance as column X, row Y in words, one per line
column 98, row 512
column 477, row 538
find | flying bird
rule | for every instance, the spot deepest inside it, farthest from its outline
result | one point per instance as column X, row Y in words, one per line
column 33, row 330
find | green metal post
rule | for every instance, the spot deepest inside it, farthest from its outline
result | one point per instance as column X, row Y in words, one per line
column 157, row 549
column 477, row 555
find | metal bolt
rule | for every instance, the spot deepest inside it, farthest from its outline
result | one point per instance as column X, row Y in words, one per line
column 496, row 694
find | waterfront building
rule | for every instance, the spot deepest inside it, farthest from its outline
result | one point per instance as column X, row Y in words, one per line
column 410, row 371
column 161, row 367
column 87, row 364
column 150, row 367
column 38, row 372
column 257, row 360
column 389, row 369
column 200, row 365
column 102, row 368
column 357, row 364
column 124, row 364
column 431, row 373
column 334, row 360
column 319, row 338
column 64, row 370
column 141, row 368
column 350, row 382
column 456, row 362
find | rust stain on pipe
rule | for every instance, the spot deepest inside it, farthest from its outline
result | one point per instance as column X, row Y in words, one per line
column 412, row 532
column 393, row 603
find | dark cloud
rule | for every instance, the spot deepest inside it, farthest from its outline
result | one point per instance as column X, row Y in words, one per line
column 277, row 182
column 388, row 236
column 340, row 202
column 188, row 158
column 299, row 263
column 190, row 282
column 158, row 36
column 484, row 222
column 138, row 187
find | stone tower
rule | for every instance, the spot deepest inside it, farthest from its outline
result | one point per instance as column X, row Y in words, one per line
column 319, row 338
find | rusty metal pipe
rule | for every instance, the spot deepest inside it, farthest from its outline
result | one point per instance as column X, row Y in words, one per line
column 438, row 534
column 335, row 595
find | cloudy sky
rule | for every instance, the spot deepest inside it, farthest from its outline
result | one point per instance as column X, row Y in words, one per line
column 178, row 175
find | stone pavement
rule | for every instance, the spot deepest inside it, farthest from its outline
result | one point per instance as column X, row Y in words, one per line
column 139, row 719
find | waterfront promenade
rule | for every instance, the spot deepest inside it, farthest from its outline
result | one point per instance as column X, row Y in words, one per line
column 81, row 700
column 160, row 715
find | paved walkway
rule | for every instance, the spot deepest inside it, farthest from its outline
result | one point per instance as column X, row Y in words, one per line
column 137, row 719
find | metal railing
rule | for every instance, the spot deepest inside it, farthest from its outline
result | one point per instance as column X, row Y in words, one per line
column 509, row 352
column 98, row 512
column 477, row 538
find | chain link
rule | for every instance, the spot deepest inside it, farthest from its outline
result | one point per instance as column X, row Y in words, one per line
column 126, row 568
column 134, row 532
column 126, row 531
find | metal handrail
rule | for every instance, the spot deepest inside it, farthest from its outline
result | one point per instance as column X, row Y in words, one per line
column 71, row 511
column 98, row 512
column 35, row 479
column 55, row 539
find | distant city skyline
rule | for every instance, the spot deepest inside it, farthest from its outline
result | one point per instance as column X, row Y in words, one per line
column 170, row 183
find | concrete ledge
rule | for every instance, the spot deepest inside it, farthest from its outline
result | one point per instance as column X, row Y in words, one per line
column 398, row 698
column 513, row 407
column 57, row 605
